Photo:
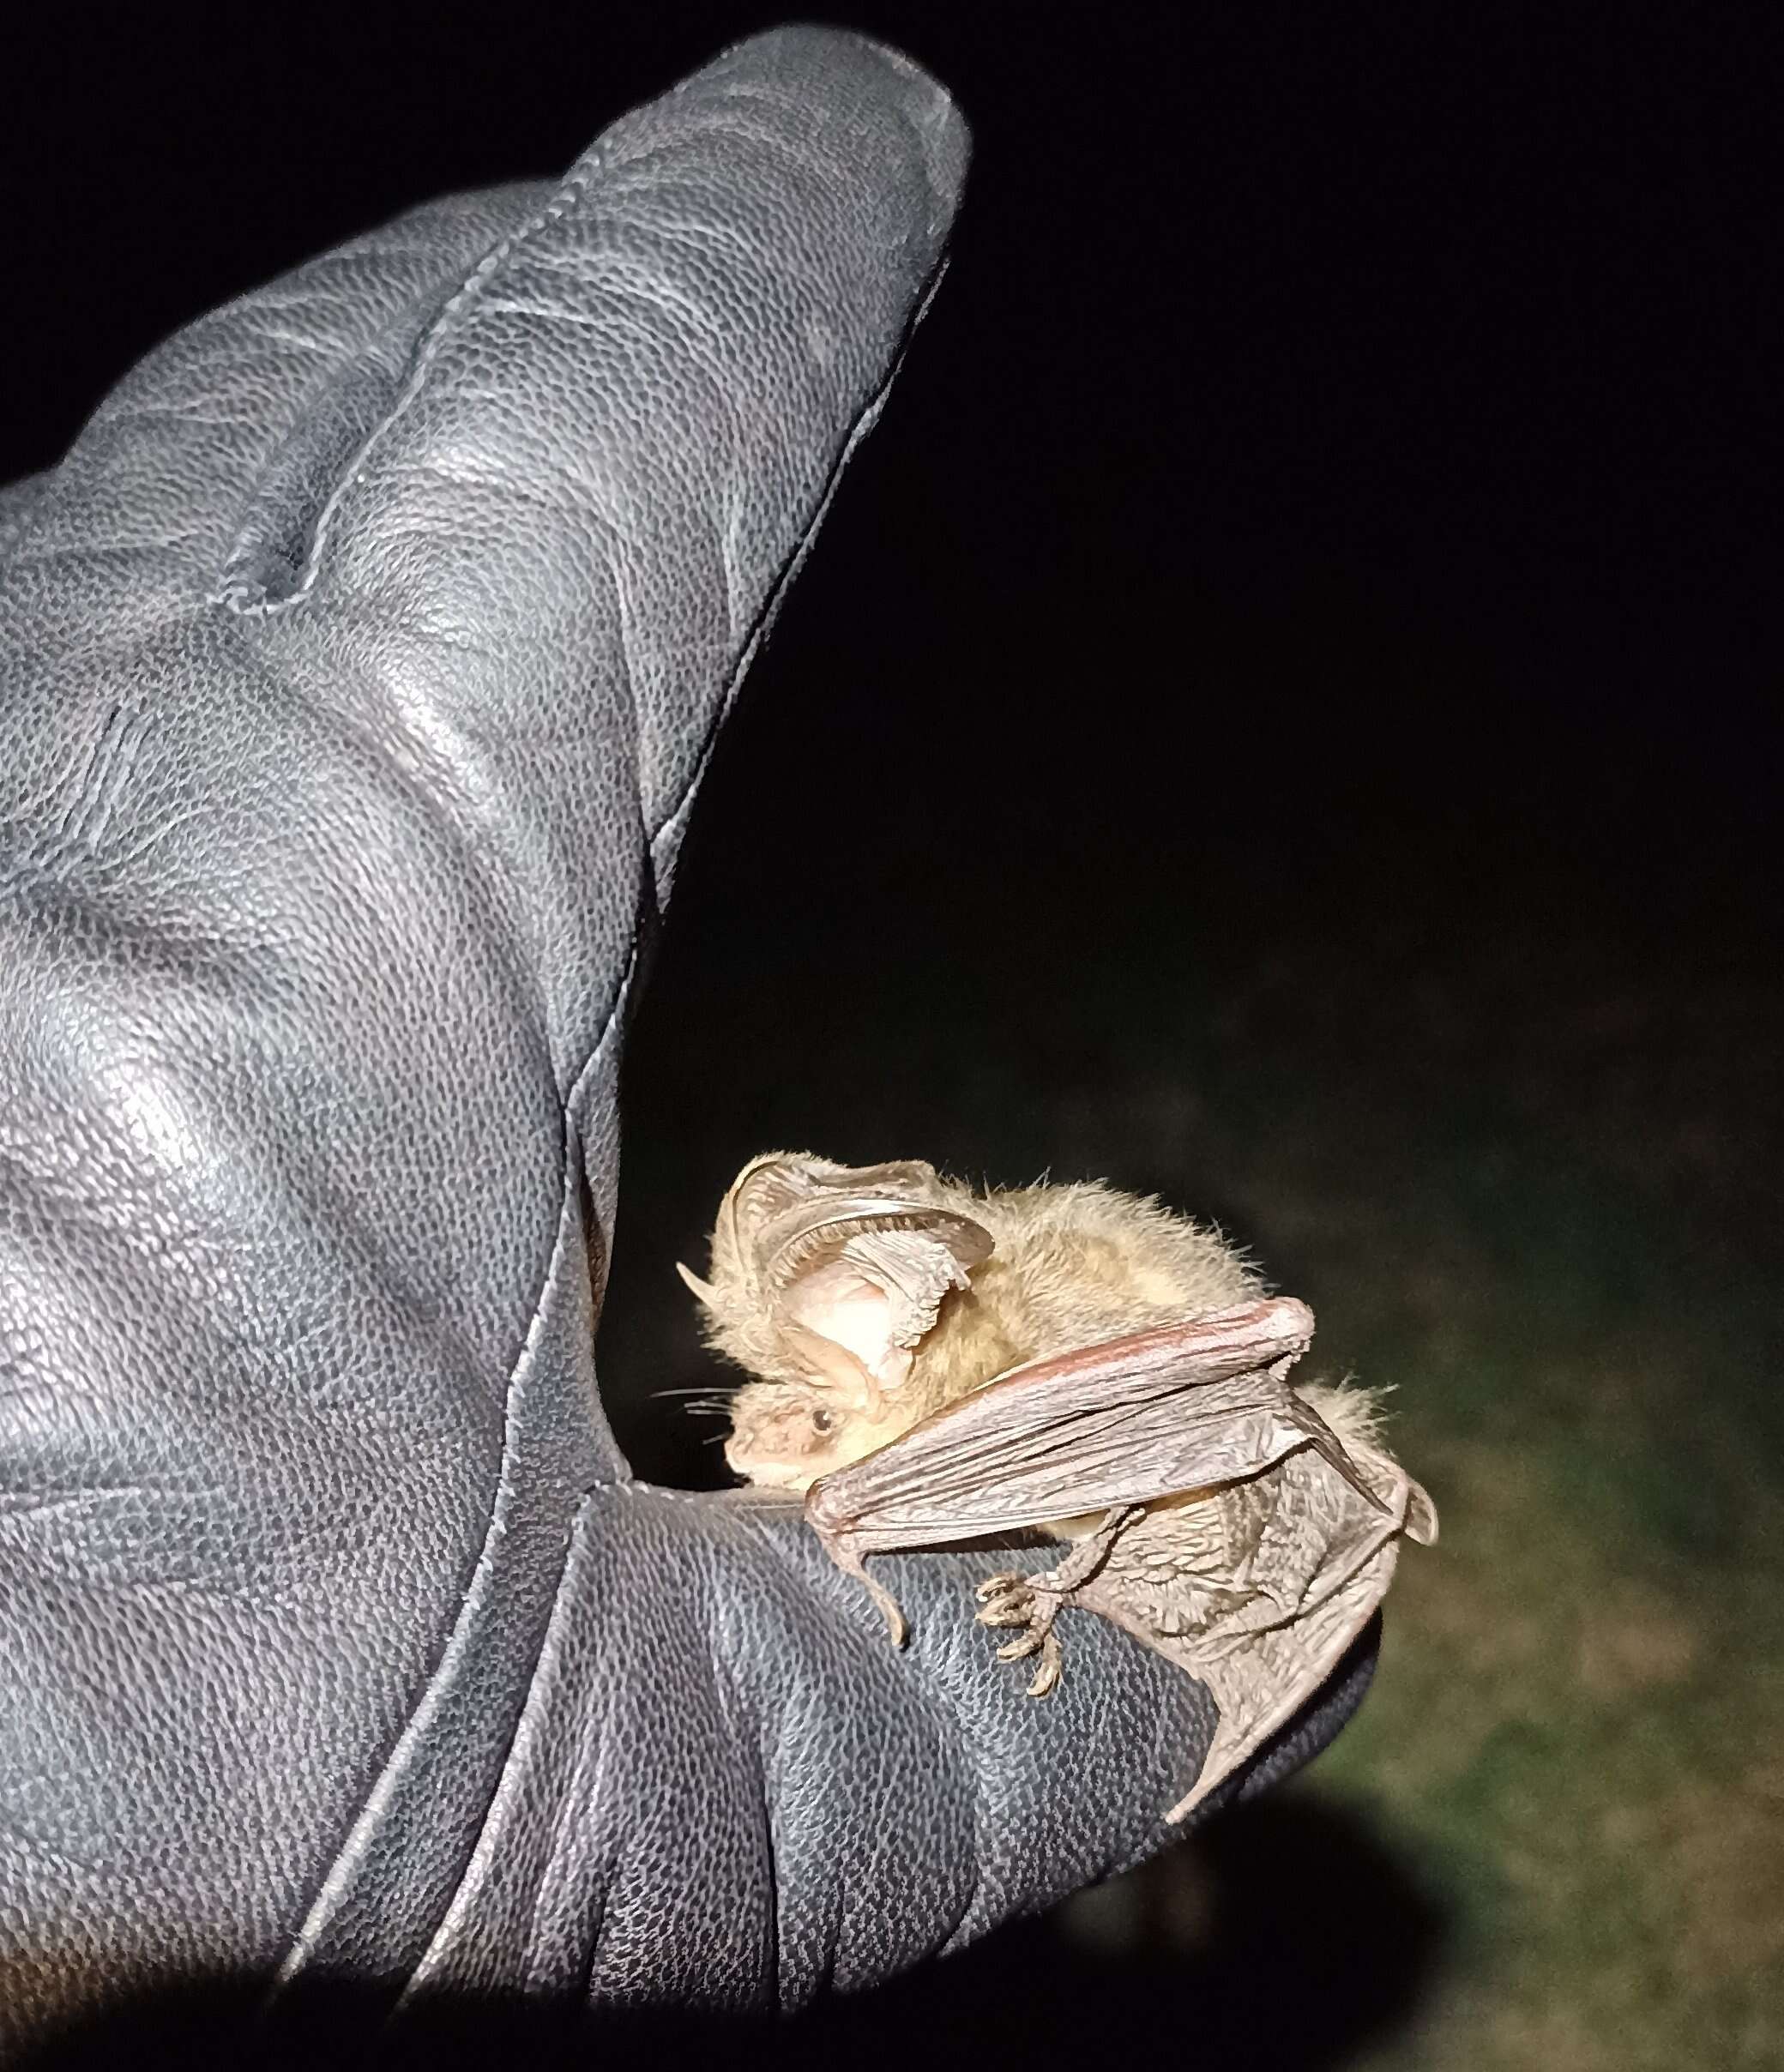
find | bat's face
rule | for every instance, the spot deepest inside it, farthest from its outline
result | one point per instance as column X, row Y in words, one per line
column 784, row 1436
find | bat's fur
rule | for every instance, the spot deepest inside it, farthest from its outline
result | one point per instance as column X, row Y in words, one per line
column 1068, row 1266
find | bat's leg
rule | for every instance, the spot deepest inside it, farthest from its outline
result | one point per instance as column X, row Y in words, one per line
column 1087, row 1557
column 1033, row 1602
column 890, row 1610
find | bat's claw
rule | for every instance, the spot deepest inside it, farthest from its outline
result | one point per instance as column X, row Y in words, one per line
column 1013, row 1601
column 1037, row 1640
column 1046, row 1675
column 1011, row 1611
column 1009, row 1599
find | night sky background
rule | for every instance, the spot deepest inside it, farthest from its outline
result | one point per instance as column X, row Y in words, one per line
column 1283, row 714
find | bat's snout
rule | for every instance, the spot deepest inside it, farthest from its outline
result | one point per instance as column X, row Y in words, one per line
column 763, row 1470
column 783, row 1438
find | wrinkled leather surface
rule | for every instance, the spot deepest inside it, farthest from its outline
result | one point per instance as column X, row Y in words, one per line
column 358, row 667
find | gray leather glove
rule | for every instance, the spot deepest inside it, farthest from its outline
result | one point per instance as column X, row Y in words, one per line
column 359, row 665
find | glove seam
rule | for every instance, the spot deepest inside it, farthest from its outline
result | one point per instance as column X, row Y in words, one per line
column 443, row 329
column 745, row 1722
column 461, row 1902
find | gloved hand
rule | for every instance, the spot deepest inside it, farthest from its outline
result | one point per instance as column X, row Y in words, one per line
column 359, row 665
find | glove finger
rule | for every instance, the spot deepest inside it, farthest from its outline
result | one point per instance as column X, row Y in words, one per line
column 241, row 412
column 617, row 434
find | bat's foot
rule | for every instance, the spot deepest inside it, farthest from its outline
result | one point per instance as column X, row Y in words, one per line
column 1015, row 1599
column 1033, row 1602
column 1010, row 1600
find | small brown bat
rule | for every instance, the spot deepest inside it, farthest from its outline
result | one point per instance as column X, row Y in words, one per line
column 935, row 1365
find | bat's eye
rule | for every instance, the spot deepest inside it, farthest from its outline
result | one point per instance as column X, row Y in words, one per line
column 823, row 1422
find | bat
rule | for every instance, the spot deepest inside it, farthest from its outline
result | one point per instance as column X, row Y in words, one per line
column 934, row 1365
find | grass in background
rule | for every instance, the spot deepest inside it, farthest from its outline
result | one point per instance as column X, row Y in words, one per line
column 1575, row 1732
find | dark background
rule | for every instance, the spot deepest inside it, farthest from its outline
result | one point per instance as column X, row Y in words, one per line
column 1375, row 390
column 1282, row 713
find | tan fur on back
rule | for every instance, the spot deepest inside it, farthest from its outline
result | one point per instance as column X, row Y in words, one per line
column 1072, row 1265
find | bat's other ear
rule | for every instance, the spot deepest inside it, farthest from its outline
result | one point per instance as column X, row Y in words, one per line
column 703, row 1290
column 852, row 1263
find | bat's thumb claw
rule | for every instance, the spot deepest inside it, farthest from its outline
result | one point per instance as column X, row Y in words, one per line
column 897, row 1626
column 1421, row 1517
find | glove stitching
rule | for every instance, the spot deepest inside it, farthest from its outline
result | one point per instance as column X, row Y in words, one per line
column 745, row 1721
column 458, row 1911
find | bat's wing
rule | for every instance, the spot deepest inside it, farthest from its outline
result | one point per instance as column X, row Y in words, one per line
column 1257, row 1589
column 1314, row 1566
column 1261, row 1684
column 1188, row 1406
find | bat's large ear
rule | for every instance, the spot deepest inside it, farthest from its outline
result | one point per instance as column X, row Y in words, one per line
column 859, row 1310
column 854, row 1261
